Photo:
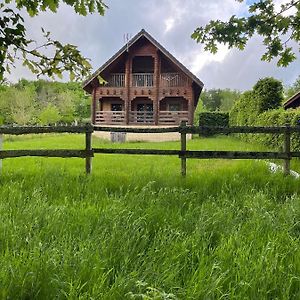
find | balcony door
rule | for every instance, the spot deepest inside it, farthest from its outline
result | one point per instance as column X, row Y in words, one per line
column 144, row 112
column 142, row 71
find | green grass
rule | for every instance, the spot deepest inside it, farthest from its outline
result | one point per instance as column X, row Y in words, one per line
column 135, row 228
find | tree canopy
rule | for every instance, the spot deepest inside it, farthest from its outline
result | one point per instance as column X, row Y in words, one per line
column 279, row 28
column 15, row 44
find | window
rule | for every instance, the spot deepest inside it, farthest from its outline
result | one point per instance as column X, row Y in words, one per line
column 116, row 107
column 174, row 107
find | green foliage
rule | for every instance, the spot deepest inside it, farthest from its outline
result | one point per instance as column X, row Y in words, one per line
column 16, row 45
column 262, row 107
column 228, row 98
column 293, row 89
column 27, row 102
column 49, row 115
column 244, row 111
column 268, row 94
column 279, row 117
column 214, row 119
column 219, row 99
column 211, row 99
column 279, row 29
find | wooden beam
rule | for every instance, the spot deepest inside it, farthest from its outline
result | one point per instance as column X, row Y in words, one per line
column 183, row 149
column 93, row 106
column 135, row 151
column 88, row 149
column 240, row 129
column 18, row 130
column 46, row 153
column 233, row 155
column 287, row 150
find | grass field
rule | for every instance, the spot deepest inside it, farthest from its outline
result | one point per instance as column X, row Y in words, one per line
column 135, row 229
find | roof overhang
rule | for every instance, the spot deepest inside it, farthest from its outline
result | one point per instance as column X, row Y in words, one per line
column 86, row 84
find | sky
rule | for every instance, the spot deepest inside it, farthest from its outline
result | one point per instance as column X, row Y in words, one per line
column 171, row 23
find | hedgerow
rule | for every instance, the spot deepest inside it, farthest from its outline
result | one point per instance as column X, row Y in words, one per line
column 262, row 107
column 213, row 119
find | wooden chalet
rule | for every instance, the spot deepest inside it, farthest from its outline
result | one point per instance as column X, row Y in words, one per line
column 293, row 102
column 143, row 84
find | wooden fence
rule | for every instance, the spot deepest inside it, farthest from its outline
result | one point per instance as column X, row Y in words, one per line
column 88, row 152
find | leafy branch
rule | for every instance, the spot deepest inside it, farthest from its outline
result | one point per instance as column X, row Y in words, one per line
column 15, row 45
column 276, row 28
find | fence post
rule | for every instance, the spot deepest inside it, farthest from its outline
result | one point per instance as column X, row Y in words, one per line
column 287, row 150
column 88, row 148
column 1, row 143
column 183, row 148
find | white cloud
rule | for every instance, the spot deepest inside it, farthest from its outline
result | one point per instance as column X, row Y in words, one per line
column 169, row 24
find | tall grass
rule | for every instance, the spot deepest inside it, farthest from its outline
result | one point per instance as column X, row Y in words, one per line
column 135, row 229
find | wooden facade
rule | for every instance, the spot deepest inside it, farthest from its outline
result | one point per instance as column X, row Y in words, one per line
column 143, row 84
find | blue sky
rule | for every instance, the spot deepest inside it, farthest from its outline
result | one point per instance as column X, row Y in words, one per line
column 171, row 22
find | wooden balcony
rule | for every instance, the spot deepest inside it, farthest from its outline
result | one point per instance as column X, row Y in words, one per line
column 140, row 117
column 146, row 80
column 173, row 80
column 172, row 117
column 142, row 79
column 116, row 80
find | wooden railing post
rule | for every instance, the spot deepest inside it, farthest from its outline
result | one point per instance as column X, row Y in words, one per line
column 287, row 150
column 183, row 148
column 88, row 149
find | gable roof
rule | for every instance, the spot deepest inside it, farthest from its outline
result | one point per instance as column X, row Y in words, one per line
column 292, row 102
column 143, row 33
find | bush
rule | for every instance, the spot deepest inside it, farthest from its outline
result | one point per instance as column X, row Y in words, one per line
column 262, row 107
column 268, row 94
column 213, row 119
column 279, row 117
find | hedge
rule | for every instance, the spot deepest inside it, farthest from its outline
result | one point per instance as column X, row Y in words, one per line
column 213, row 119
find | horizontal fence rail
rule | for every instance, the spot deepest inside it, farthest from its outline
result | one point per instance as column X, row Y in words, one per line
column 88, row 152
column 46, row 153
column 240, row 129
column 19, row 130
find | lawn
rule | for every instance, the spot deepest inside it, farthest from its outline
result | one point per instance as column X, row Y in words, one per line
column 135, row 229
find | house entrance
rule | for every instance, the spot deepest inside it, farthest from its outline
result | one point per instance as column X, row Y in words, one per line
column 142, row 110
column 145, row 113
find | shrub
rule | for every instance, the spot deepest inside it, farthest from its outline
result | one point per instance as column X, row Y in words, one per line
column 213, row 119
column 268, row 94
column 262, row 107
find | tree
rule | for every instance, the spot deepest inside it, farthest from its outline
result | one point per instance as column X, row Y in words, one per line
column 278, row 29
column 293, row 89
column 49, row 115
column 16, row 45
column 218, row 99
column 211, row 99
column 22, row 106
column 268, row 94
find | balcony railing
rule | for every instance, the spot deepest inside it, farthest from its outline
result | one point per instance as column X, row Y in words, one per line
column 116, row 80
column 172, row 117
column 142, row 79
column 141, row 117
column 146, row 80
column 173, row 80
column 110, row 117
